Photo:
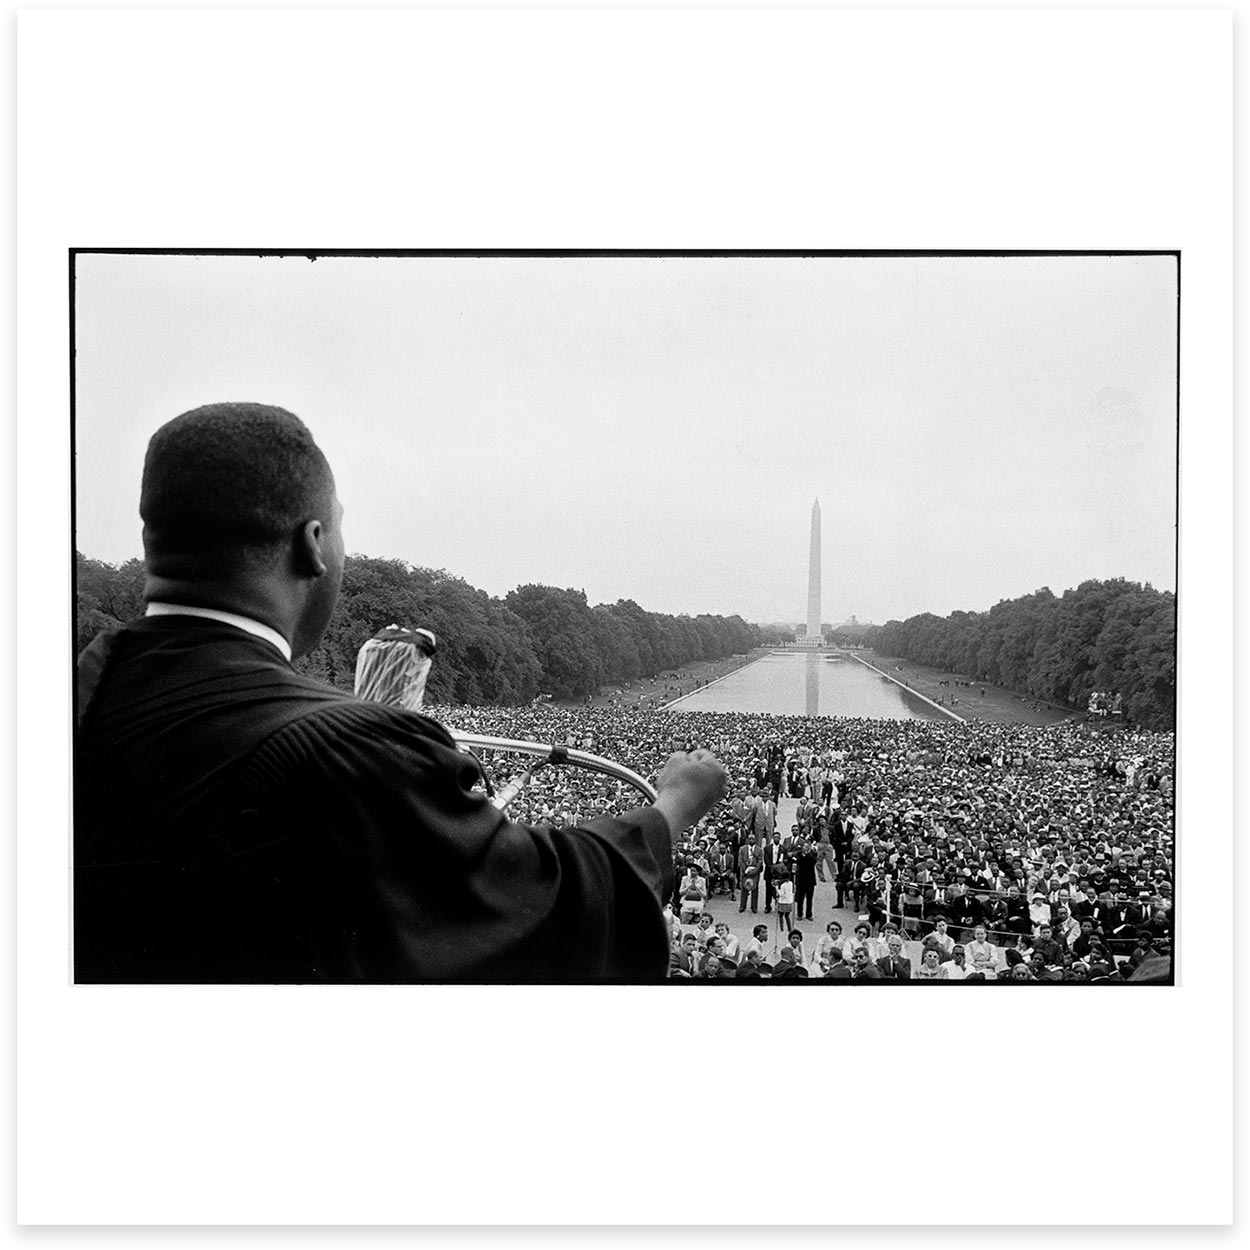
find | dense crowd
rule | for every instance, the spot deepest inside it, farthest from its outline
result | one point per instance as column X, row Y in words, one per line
column 989, row 851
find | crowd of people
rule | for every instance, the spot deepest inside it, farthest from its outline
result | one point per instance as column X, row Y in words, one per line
column 987, row 851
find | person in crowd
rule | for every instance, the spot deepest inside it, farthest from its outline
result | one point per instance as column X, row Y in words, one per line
column 863, row 937
column 837, row 968
column 750, row 867
column 941, row 939
column 865, row 969
column 957, row 968
column 832, row 939
column 710, row 968
column 1065, row 930
column 750, row 967
column 1018, row 911
column 981, row 952
column 238, row 821
column 965, row 912
column 722, row 877
column 788, row 966
column 931, row 967
column 758, row 942
column 732, row 947
column 775, row 863
column 805, row 862
column 783, row 896
column 1046, row 947
column 823, row 840
column 693, row 894
column 893, row 964
column 683, row 961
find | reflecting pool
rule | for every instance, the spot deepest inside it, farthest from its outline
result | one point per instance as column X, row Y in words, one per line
column 795, row 683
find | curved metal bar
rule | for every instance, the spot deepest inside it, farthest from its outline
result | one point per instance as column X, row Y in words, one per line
column 548, row 754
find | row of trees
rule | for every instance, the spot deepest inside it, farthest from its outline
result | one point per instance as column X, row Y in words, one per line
column 1114, row 635
column 537, row 639
column 1117, row 636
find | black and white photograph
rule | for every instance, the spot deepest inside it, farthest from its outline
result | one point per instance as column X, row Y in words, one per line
column 525, row 515
column 709, row 618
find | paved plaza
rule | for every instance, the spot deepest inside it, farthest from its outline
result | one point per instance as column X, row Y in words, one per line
column 724, row 908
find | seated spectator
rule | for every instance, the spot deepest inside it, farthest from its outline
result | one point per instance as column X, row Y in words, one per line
column 749, row 968
column 894, row 966
column 941, row 939
column 682, row 961
column 865, row 969
column 837, row 968
column 788, row 968
column 982, row 953
column 709, row 968
column 1039, row 911
column 1046, row 948
column 863, row 938
column 957, row 969
column 931, row 967
column 732, row 947
column 831, row 940
column 1065, row 929
column 1145, row 949
column 759, row 939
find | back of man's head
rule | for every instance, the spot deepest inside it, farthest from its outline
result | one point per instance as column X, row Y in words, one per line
column 229, row 484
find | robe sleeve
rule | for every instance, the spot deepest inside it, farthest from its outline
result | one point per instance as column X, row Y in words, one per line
column 435, row 883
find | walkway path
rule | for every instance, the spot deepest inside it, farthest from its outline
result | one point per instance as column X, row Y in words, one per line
column 904, row 686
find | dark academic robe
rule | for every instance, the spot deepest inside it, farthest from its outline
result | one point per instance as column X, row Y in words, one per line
column 235, row 821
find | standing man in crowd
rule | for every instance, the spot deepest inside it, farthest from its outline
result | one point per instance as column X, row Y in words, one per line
column 750, row 866
column 804, row 879
column 236, row 821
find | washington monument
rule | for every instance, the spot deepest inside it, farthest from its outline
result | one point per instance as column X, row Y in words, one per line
column 813, row 576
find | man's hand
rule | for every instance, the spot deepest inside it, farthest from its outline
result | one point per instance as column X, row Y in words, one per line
column 688, row 787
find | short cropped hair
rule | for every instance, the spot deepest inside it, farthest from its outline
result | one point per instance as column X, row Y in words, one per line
column 228, row 481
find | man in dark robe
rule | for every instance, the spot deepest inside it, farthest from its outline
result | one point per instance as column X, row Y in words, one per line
column 235, row 821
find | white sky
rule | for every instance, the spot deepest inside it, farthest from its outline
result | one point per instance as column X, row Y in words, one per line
column 657, row 428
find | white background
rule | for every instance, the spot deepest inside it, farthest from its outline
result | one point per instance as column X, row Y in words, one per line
column 645, row 129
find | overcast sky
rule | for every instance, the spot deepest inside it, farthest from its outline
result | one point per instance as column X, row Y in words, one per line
column 657, row 428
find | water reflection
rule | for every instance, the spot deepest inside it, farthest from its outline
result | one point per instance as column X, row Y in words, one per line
column 802, row 684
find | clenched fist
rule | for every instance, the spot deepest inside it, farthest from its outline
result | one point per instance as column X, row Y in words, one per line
column 688, row 787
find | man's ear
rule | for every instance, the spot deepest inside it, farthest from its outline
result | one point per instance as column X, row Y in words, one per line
column 307, row 549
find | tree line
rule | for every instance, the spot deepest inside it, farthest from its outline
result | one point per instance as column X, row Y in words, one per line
column 536, row 640
column 1117, row 636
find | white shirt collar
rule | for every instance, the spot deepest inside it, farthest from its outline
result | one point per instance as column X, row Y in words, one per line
column 256, row 628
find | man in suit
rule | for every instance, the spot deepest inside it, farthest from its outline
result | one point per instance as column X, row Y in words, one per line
column 775, row 859
column 750, row 868
column 721, row 874
column 965, row 912
column 790, row 845
column 764, row 816
column 805, row 861
column 893, row 964
column 788, row 968
column 865, row 969
column 1121, row 923
column 1017, row 908
column 1046, row 946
